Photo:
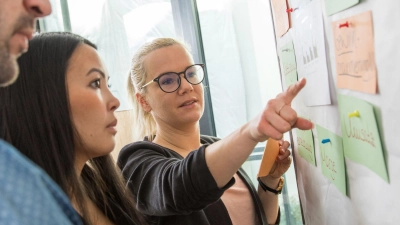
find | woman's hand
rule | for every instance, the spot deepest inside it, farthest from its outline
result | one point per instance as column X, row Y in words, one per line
column 281, row 165
column 282, row 161
column 278, row 117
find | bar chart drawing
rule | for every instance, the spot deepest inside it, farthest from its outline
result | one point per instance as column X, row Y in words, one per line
column 310, row 55
column 309, row 44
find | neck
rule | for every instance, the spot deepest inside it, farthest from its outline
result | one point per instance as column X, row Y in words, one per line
column 183, row 141
column 80, row 161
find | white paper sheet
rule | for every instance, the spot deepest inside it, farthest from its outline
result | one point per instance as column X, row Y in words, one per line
column 309, row 44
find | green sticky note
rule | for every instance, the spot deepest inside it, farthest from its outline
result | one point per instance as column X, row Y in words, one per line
column 305, row 144
column 332, row 159
column 288, row 62
column 334, row 6
column 361, row 140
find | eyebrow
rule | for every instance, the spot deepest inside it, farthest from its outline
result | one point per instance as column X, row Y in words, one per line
column 97, row 70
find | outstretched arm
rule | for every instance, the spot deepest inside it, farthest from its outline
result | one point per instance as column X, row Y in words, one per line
column 226, row 156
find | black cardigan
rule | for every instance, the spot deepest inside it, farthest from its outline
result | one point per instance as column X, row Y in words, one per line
column 170, row 189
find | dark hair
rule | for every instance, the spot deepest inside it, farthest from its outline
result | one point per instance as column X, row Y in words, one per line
column 35, row 118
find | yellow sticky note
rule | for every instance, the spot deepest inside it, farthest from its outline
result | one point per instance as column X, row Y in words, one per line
column 271, row 151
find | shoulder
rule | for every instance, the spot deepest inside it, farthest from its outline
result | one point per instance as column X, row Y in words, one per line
column 144, row 149
column 26, row 186
column 139, row 146
column 205, row 139
column 12, row 158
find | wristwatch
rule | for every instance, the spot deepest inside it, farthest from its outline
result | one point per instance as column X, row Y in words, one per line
column 276, row 191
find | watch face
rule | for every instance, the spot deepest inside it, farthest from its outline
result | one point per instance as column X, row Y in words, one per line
column 280, row 185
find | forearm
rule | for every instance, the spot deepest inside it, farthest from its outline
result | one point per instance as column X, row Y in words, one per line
column 226, row 156
column 269, row 200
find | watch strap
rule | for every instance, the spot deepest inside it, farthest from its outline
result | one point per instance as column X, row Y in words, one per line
column 266, row 188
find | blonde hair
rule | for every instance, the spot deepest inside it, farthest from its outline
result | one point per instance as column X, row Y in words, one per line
column 144, row 122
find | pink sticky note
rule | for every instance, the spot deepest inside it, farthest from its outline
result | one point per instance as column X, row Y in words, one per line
column 355, row 53
column 281, row 17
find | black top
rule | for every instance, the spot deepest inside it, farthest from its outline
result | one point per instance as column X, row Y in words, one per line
column 170, row 189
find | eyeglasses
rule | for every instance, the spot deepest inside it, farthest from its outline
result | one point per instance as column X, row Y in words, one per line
column 171, row 81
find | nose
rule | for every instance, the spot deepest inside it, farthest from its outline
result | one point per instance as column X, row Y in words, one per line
column 113, row 103
column 185, row 85
column 38, row 8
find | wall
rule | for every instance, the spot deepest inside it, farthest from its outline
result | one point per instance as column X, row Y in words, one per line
column 369, row 199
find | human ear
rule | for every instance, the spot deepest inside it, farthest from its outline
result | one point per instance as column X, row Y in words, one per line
column 143, row 103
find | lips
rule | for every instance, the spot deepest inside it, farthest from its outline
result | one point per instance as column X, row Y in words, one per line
column 113, row 123
column 188, row 102
column 18, row 44
column 19, row 41
column 28, row 32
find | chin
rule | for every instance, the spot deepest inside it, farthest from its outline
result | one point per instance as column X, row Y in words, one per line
column 104, row 149
column 193, row 119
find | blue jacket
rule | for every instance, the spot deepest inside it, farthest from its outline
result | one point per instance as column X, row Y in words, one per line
column 28, row 195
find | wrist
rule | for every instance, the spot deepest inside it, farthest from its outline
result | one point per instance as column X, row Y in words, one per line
column 274, row 186
column 270, row 181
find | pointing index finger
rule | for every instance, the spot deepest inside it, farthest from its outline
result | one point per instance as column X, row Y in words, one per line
column 292, row 91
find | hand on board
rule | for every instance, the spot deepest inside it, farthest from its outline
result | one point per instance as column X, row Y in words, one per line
column 278, row 117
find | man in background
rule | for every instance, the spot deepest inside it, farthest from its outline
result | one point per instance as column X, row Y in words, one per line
column 27, row 194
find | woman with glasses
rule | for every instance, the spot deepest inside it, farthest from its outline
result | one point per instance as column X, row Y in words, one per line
column 181, row 177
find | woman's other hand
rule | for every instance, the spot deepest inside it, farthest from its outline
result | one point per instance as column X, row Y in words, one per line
column 282, row 161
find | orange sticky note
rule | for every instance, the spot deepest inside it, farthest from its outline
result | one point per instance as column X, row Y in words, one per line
column 271, row 151
column 355, row 53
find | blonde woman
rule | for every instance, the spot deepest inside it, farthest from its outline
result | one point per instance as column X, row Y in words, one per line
column 181, row 177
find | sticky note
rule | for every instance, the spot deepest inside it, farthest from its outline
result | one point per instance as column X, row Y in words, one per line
column 334, row 6
column 361, row 139
column 281, row 17
column 355, row 53
column 305, row 145
column 271, row 151
column 288, row 62
column 332, row 158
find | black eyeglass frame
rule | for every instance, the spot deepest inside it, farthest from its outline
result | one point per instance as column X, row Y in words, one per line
column 178, row 74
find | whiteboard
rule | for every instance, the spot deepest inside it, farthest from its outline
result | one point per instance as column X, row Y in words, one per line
column 370, row 200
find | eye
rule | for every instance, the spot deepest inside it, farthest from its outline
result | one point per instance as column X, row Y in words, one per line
column 95, row 84
column 108, row 82
column 167, row 81
column 191, row 74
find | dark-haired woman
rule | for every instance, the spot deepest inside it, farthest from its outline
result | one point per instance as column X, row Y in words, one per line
column 60, row 114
